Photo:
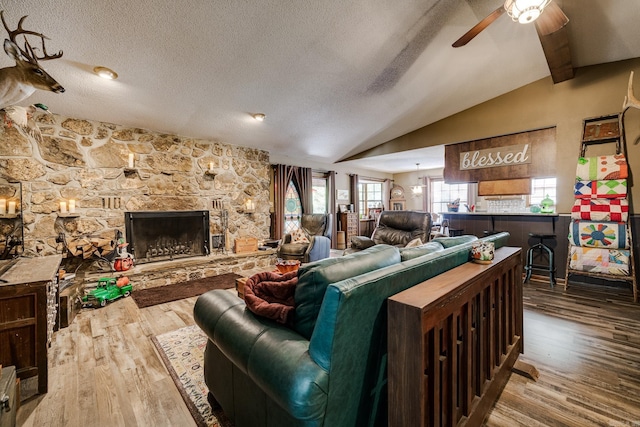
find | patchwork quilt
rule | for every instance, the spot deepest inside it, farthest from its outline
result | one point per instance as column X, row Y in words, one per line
column 612, row 235
column 598, row 260
column 616, row 210
column 611, row 189
column 602, row 168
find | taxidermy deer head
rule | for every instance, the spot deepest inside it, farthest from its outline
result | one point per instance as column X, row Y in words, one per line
column 20, row 81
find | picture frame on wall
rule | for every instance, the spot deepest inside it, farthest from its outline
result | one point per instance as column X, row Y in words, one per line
column 342, row 194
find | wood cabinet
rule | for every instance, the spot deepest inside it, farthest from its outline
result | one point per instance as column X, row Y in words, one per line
column 453, row 340
column 27, row 315
column 349, row 224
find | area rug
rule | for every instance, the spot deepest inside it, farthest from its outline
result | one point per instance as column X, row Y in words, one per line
column 161, row 294
column 182, row 352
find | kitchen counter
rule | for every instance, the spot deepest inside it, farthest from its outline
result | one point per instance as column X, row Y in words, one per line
column 554, row 214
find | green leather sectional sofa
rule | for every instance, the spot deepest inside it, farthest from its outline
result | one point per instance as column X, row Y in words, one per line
column 329, row 368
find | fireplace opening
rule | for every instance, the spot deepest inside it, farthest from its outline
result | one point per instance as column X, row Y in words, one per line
column 161, row 236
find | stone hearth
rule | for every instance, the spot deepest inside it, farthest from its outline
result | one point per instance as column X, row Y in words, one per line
column 181, row 270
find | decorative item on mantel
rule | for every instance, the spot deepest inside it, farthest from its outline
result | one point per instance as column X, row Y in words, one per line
column 246, row 245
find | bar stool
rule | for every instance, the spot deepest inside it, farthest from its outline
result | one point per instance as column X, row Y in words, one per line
column 541, row 249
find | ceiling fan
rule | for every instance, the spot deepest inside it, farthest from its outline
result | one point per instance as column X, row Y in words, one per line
column 550, row 22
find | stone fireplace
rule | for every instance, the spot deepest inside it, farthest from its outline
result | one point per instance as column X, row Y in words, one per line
column 161, row 236
column 87, row 162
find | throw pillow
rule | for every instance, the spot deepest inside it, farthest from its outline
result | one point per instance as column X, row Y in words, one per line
column 415, row 242
column 361, row 242
column 298, row 236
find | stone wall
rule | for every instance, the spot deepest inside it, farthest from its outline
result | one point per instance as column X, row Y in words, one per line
column 86, row 161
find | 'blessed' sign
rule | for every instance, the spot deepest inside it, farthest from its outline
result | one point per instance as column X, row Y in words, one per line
column 495, row 157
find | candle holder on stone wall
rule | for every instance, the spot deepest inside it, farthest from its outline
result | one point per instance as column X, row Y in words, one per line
column 68, row 215
column 128, row 172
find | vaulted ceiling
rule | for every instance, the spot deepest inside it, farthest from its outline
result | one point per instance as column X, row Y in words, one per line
column 333, row 77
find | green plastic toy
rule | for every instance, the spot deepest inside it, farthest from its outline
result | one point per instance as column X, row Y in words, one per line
column 109, row 289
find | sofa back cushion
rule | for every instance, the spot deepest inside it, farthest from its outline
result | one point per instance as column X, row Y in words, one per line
column 427, row 248
column 313, row 279
column 448, row 242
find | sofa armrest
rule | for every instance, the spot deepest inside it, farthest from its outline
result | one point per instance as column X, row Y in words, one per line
column 274, row 356
column 319, row 248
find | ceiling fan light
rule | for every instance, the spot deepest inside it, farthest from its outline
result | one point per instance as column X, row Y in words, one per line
column 525, row 11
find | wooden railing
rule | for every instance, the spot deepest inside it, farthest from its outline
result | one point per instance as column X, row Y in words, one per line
column 453, row 340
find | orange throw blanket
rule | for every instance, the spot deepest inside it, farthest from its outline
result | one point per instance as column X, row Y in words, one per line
column 270, row 294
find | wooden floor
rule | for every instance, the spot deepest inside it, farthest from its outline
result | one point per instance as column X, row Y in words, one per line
column 586, row 345
column 104, row 370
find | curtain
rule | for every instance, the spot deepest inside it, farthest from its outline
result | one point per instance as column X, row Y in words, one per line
column 386, row 194
column 303, row 180
column 426, row 193
column 332, row 207
column 355, row 196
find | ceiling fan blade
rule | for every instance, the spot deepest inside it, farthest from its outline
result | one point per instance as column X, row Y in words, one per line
column 551, row 20
column 556, row 50
column 469, row 35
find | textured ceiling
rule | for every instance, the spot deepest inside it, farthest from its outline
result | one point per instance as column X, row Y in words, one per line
column 333, row 77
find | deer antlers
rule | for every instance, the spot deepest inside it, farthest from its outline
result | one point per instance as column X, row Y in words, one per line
column 630, row 100
column 28, row 52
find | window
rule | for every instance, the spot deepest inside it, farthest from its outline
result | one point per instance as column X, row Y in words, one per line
column 320, row 192
column 370, row 197
column 540, row 188
column 442, row 193
column 292, row 209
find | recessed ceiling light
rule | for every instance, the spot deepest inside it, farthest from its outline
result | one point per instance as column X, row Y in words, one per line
column 259, row 117
column 105, row 73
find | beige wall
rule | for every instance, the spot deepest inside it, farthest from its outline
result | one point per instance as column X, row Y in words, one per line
column 595, row 91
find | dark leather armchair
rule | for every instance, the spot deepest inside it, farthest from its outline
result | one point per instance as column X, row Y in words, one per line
column 317, row 228
column 396, row 228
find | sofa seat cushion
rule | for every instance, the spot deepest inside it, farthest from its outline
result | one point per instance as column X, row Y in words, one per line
column 274, row 356
column 296, row 249
column 427, row 248
column 313, row 279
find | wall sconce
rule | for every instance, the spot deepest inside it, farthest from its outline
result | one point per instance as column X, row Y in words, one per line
column 68, row 209
column 210, row 170
column 249, row 206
